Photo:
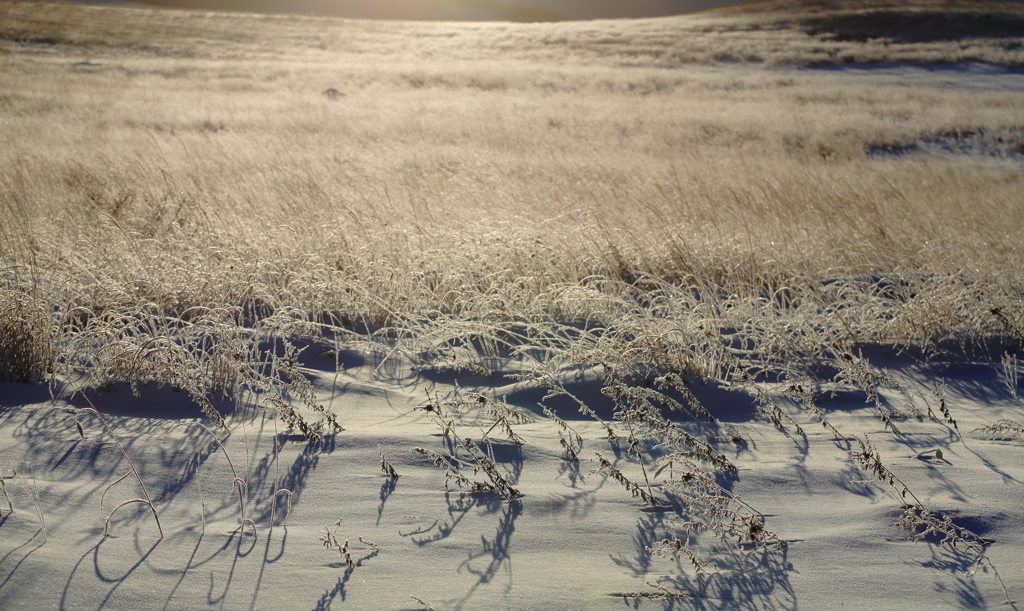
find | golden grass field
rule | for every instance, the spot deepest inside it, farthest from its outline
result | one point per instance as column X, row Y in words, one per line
column 753, row 195
column 494, row 172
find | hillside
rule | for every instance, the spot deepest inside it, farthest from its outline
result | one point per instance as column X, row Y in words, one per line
column 770, row 33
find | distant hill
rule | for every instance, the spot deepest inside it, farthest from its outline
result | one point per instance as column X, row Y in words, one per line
column 458, row 10
column 900, row 21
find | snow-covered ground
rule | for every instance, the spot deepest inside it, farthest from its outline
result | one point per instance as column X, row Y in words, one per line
column 575, row 539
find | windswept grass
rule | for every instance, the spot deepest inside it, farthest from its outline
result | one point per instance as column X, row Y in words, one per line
column 167, row 214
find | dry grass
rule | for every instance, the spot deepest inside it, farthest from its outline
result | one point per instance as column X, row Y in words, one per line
column 167, row 194
column 921, row 521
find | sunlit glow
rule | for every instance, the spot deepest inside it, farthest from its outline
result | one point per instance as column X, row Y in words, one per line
column 460, row 10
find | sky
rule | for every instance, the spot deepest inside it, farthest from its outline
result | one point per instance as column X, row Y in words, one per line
column 512, row 10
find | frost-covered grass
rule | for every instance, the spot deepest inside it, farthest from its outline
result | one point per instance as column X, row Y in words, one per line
column 204, row 176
